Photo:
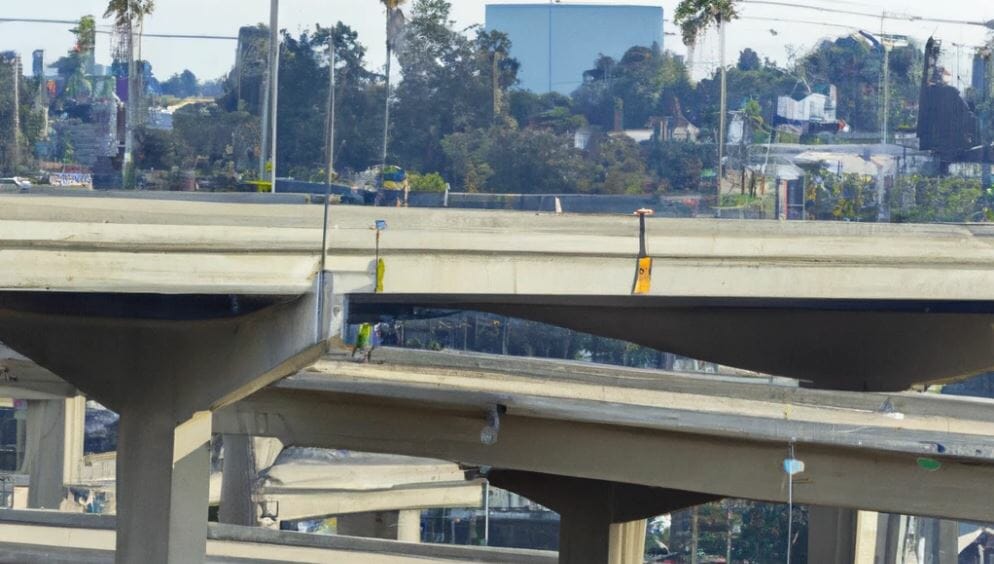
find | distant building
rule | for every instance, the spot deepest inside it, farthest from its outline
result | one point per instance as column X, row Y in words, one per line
column 816, row 109
column 556, row 43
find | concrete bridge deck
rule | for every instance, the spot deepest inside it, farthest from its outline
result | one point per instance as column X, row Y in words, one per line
column 843, row 305
column 862, row 450
column 169, row 311
column 36, row 537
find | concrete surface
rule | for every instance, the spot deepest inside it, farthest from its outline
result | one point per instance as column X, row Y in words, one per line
column 43, row 537
column 845, row 305
column 861, row 450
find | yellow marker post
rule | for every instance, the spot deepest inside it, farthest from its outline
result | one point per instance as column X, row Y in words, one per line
column 381, row 267
column 643, row 272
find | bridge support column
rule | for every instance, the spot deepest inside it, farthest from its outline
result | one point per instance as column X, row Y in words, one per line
column 409, row 525
column 599, row 520
column 628, row 542
column 163, row 486
column 244, row 458
column 53, row 449
column 841, row 536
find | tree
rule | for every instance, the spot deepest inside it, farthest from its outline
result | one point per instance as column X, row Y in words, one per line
column 695, row 16
column 304, row 83
column 749, row 60
column 448, row 85
column 644, row 80
column 432, row 182
column 618, row 166
column 182, row 85
column 764, row 534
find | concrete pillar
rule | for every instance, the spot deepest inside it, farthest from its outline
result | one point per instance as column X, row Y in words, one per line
column 163, row 473
column 584, row 536
column 627, row 544
column 409, row 525
column 53, row 449
column 238, row 477
column 588, row 510
column 244, row 458
column 841, row 536
column 944, row 542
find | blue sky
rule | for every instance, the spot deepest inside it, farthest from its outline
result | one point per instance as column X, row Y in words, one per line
column 210, row 59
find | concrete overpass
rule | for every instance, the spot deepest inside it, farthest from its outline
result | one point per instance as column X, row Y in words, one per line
column 168, row 311
column 28, row 537
column 649, row 442
column 850, row 306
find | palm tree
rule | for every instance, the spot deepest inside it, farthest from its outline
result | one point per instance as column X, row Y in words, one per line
column 126, row 13
column 392, row 7
column 694, row 17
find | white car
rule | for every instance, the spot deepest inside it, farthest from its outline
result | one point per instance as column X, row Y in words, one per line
column 23, row 183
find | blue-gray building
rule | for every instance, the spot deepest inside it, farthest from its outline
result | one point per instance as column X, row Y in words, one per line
column 556, row 43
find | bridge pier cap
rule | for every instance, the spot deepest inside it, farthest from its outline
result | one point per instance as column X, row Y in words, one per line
column 164, row 362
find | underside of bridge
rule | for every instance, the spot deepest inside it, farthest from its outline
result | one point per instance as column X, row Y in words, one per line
column 163, row 362
column 859, row 345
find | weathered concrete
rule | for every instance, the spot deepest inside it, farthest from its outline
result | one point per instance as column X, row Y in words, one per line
column 238, row 483
column 628, row 542
column 29, row 537
column 20, row 378
column 409, row 525
column 589, row 509
column 841, row 536
column 54, row 448
column 160, row 362
column 871, row 306
column 639, row 424
column 314, row 488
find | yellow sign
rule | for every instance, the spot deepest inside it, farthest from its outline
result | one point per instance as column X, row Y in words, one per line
column 643, row 278
column 381, row 269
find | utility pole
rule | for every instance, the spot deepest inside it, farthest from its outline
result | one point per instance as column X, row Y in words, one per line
column 274, row 82
column 724, row 108
column 264, row 125
column 332, row 56
column 498, row 56
column 16, row 137
column 129, row 111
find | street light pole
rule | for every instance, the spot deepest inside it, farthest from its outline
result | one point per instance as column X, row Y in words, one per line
column 332, row 59
column 274, row 81
column 724, row 108
column 129, row 110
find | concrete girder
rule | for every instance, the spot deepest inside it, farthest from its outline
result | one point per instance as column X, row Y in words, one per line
column 297, row 504
column 20, row 378
column 618, row 452
column 796, row 275
column 878, row 345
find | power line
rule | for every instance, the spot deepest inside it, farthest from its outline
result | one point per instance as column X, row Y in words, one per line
column 882, row 15
column 108, row 32
column 808, row 22
column 182, row 36
column 38, row 20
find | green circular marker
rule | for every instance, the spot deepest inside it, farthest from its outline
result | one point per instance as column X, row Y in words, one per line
column 929, row 464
